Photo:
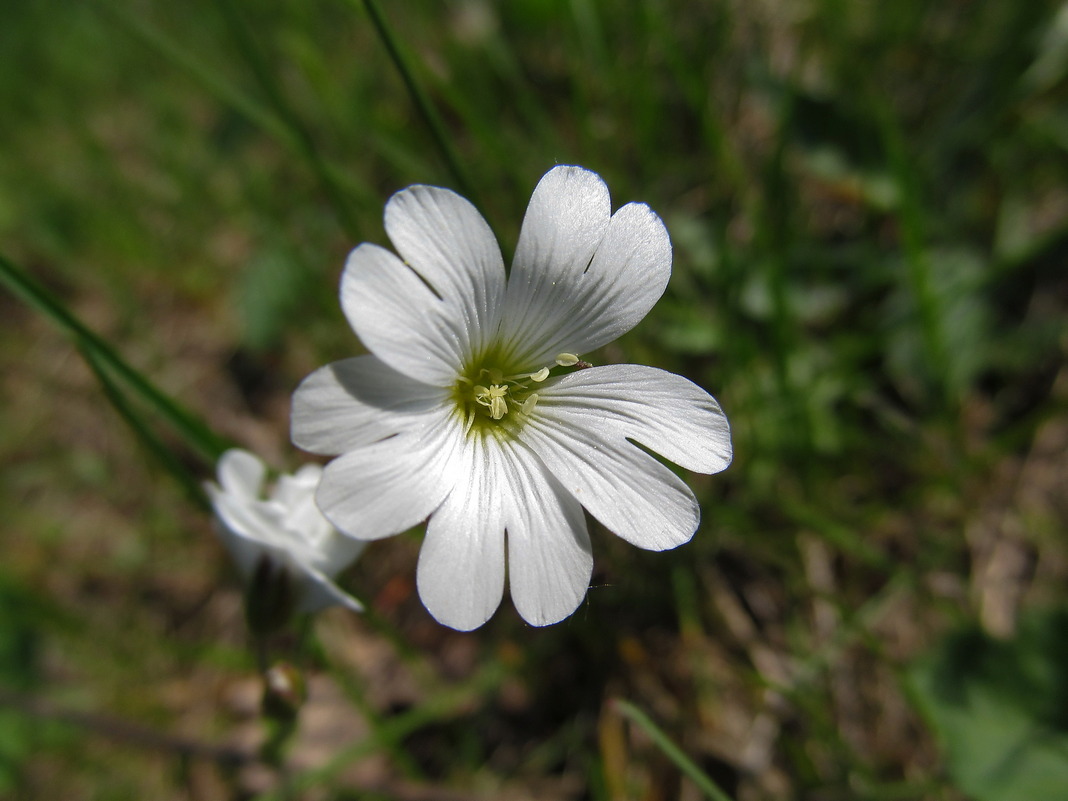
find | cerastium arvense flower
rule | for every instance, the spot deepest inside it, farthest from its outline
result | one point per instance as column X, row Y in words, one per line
column 285, row 550
column 475, row 410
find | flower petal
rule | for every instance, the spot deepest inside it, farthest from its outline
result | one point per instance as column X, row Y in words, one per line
column 398, row 317
column 241, row 473
column 626, row 489
column 389, row 486
column 460, row 574
column 577, row 306
column 318, row 591
column 241, row 517
column 664, row 412
column 444, row 239
column 549, row 556
column 244, row 549
column 565, row 221
column 354, row 402
column 252, row 530
column 336, row 552
column 304, row 524
column 291, row 490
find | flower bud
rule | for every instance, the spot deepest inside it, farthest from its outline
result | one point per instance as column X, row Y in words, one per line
column 284, row 691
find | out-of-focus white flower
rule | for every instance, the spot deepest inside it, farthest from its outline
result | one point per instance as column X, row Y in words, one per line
column 284, row 548
column 474, row 408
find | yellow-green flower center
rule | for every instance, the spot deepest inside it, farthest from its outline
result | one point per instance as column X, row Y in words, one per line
column 487, row 396
column 491, row 399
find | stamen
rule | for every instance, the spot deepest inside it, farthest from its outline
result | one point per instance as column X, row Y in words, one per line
column 494, row 399
column 567, row 359
column 498, row 393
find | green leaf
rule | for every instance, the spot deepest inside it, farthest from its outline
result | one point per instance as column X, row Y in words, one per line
column 1000, row 709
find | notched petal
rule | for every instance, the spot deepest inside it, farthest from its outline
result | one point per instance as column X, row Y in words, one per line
column 354, row 402
column 626, row 489
column 550, row 560
column 389, row 486
column 665, row 412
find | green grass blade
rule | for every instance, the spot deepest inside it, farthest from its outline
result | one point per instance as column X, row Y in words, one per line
column 447, row 703
column 191, row 428
column 422, row 103
column 155, row 446
column 917, row 260
column 688, row 767
column 298, row 132
column 170, row 50
column 337, row 184
column 725, row 165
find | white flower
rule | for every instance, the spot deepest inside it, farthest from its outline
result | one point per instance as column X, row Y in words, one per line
column 474, row 408
column 281, row 538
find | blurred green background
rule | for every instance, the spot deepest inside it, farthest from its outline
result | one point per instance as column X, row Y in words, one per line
column 869, row 210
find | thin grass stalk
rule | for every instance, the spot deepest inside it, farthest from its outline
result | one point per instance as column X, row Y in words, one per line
column 591, row 36
column 688, row 767
column 195, row 432
column 501, row 55
column 776, row 238
column 353, row 688
column 727, row 167
column 171, row 51
column 330, row 176
column 152, row 443
column 776, row 231
column 445, row 704
column 840, row 535
column 120, row 730
column 299, row 132
column 920, row 279
column 422, row 103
